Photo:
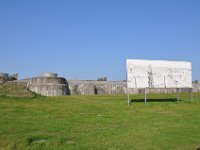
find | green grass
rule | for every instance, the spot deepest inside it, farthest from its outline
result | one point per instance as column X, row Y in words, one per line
column 14, row 90
column 100, row 122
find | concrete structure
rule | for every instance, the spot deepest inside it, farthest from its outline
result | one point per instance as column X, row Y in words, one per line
column 196, row 86
column 91, row 87
column 49, row 75
column 48, row 84
column 5, row 77
column 87, row 87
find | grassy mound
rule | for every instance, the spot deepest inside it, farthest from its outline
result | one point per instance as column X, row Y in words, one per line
column 15, row 90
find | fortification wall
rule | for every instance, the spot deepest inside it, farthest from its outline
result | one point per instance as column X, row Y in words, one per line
column 91, row 87
column 196, row 86
column 49, row 84
column 78, row 87
column 4, row 77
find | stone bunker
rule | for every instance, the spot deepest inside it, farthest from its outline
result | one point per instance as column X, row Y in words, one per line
column 3, row 77
column 48, row 84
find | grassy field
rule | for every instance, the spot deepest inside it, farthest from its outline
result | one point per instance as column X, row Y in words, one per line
column 99, row 122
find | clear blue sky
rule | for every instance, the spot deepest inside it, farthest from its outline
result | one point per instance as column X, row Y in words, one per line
column 82, row 39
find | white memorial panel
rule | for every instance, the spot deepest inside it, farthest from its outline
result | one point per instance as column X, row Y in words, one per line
column 158, row 74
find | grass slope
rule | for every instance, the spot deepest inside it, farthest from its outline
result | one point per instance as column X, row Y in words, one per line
column 100, row 122
column 14, row 90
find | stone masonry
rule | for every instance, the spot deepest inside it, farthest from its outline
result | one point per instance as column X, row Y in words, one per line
column 49, row 84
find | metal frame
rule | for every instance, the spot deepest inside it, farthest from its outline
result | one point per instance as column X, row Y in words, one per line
column 190, row 95
column 128, row 96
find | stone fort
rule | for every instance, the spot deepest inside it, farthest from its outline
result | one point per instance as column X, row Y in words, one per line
column 50, row 84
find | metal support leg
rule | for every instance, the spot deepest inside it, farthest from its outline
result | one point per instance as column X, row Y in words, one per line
column 128, row 100
column 177, row 95
column 191, row 96
column 145, row 97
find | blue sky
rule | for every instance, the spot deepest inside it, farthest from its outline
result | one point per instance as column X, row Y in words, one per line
column 92, row 38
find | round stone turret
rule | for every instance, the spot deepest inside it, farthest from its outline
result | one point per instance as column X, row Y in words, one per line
column 49, row 74
column 49, row 84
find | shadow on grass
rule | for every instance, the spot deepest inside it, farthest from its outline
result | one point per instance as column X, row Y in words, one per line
column 170, row 100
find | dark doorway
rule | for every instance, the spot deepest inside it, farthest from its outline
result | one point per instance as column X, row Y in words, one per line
column 95, row 90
